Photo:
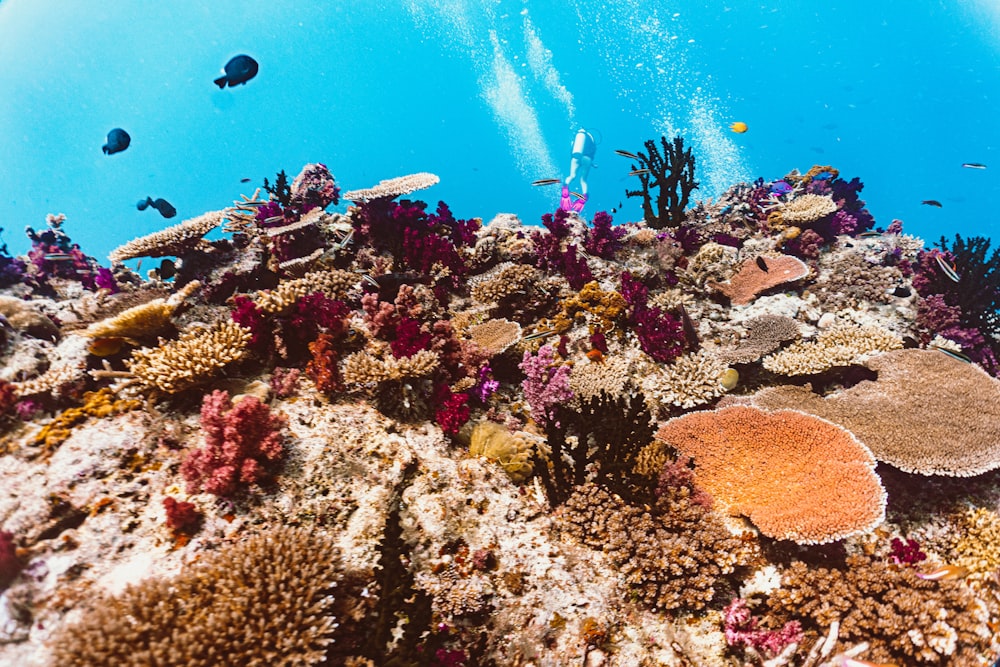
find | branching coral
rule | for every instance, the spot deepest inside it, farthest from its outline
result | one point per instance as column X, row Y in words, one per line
column 841, row 345
column 240, row 441
column 270, row 599
column 693, row 379
column 191, row 359
column 906, row 620
column 391, row 188
column 670, row 174
column 795, row 476
column 673, row 556
column 604, row 307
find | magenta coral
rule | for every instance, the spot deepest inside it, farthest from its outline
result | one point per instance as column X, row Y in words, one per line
column 906, row 553
column 741, row 629
column 603, row 239
column 546, row 383
column 240, row 440
column 454, row 410
column 246, row 314
column 10, row 564
column 410, row 339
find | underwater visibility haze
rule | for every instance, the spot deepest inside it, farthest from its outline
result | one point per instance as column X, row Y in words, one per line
column 475, row 333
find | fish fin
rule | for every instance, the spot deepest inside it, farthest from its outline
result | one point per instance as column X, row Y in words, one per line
column 143, row 205
column 221, row 81
column 106, row 149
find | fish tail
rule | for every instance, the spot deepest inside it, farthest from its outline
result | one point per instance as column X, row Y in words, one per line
column 221, row 81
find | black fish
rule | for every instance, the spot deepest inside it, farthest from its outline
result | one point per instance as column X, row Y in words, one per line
column 629, row 155
column 165, row 208
column 118, row 140
column 388, row 284
column 546, row 181
column 167, row 269
column 244, row 180
column 932, row 202
column 901, row 291
column 762, row 264
column 239, row 69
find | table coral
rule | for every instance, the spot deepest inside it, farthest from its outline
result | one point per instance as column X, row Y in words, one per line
column 759, row 275
column 795, row 476
column 176, row 240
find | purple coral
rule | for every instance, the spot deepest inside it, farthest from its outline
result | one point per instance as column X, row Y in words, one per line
column 10, row 564
column 240, row 440
column 741, row 629
column 660, row 334
column 603, row 239
column 546, row 383
column 906, row 553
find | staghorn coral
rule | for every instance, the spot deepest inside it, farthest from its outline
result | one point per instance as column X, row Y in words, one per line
column 693, row 379
column 806, row 209
column 54, row 381
column 240, row 440
column 193, row 358
column 391, row 188
column 513, row 451
column 496, row 335
column 906, row 620
column 366, row 368
column 841, row 345
column 927, row 413
column 751, row 279
column 673, row 556
column 795, row 476
column 765, row 334
column 270, row 599
column 333, row 283
column 176, row 240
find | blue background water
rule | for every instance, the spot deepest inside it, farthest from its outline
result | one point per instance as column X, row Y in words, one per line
column 488, row 96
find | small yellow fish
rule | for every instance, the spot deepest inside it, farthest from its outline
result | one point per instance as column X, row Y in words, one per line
column 739, row 127
column 105, row 347
column 945, row 573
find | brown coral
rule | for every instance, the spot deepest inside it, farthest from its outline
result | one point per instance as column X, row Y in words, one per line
column 795, row 476
column 807, row 208
column 751, row 279
column 673, row 556
column 927, row 413
column 765, row 334
column 143, row 320
column 191, row 359
column 841, row 345
column 334, row 283
column 365, row 368
column 502, row 281
column 495, row 335
column 268, row 600
column 177, row 240
column 906, row 620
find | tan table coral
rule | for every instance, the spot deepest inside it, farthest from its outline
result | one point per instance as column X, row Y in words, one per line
column 795, row 476
column 927, row 413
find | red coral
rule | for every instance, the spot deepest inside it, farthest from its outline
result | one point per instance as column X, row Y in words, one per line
column 410, row 339
column 906, row 553
column 322, row 369
column 248, row 315
column 239, row 440
column 10, row 564
column 183, row 518
column 454, row 411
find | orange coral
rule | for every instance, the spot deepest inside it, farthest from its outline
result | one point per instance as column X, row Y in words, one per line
column 795, row 476
column 97, row 404
column 606, row 307
column 752, row 278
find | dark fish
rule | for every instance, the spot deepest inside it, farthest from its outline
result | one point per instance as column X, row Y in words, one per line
column 869, row 235
column 546, row 181
column 901, row 291
column 244, row 180
column 762, row 264
column 118, row 140
column 932, row 202
column 630, row 156
column 388, row 284
column 239, row 69
column 165, row 208
column 167, row 269
column 690, row 330
column 974, row 165
column 638, row 172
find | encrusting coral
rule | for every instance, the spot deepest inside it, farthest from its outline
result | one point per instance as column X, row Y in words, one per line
column 795, row 476
column 270, row 599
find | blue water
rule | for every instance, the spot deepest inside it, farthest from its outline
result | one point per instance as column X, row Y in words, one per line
column 488, row 96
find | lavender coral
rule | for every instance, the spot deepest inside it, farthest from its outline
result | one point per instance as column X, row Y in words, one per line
column 546, row 382
column 240, row 440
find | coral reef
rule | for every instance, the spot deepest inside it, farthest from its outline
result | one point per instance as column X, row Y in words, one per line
column 386, row 435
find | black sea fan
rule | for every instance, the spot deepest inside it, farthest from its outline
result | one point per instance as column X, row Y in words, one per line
column 978, row 290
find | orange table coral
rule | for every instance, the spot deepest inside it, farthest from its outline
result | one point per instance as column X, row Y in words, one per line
column 795, row 476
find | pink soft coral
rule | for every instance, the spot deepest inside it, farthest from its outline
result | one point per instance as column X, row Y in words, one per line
column 741, row 630
column 240, row 440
